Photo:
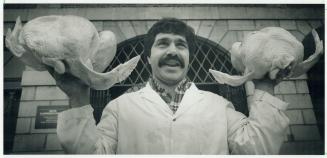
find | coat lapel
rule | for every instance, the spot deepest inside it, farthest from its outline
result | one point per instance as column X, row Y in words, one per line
column 191, row 97
column 153, row 97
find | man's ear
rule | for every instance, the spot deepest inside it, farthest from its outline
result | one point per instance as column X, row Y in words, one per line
column 148, row 58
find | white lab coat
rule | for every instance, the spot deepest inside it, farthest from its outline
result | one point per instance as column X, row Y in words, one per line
column 205, row 123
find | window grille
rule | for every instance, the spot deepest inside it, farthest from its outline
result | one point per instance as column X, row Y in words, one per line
column 207, row 55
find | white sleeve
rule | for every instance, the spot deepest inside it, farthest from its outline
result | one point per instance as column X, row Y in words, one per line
column 263, row 131
column 78, row 133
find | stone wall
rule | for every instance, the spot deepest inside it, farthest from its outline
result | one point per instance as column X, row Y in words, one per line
column 38, row 89
column 222, row 25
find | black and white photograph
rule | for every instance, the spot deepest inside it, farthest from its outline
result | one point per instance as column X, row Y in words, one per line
column 163, row 79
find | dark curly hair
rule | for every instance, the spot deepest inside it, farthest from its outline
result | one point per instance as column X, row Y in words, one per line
column 170, row 25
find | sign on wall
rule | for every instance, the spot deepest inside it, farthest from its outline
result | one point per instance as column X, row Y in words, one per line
column 46, row 116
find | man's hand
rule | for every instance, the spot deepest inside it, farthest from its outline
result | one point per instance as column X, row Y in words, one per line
column 77, row 91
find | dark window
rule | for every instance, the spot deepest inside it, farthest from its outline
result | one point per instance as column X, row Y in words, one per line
column 207, row 55
column 316, row 79
column 11, row 104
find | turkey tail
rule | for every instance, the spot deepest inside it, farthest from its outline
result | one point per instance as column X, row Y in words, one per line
column 102, row 81
column 305, row 66
column 234, row 81
column 12, row 38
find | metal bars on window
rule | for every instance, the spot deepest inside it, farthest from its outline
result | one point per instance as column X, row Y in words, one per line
column 207, row 55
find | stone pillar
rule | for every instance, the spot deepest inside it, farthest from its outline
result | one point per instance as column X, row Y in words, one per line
column 38, row 89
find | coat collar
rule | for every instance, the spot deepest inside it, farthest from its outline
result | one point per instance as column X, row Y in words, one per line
column 154, row 98
column 191, row 97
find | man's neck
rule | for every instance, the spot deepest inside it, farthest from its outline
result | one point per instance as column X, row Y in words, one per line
column 170, row 88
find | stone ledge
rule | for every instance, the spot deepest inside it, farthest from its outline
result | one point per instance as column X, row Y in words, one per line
column 150, row 13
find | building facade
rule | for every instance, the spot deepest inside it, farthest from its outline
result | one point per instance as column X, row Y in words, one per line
column 30, row 94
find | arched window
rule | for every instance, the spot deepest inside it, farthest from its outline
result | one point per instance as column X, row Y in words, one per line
column 207, row 55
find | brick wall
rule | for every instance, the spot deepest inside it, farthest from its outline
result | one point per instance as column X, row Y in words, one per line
column 222, row 25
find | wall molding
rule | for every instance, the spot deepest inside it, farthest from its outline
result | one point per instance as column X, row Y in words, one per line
column 181, row 12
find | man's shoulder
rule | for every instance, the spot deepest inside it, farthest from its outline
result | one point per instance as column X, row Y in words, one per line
column 124, row 101
column 129, row 95
column 213, row 96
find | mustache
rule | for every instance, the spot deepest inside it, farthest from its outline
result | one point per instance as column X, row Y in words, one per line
column 168, row 57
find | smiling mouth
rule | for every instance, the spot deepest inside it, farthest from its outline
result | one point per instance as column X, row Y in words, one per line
column 172, row 63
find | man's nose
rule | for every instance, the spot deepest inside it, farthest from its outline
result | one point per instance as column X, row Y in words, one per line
column 172, row 49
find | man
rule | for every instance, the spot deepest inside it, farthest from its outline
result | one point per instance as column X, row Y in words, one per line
column 170, row 115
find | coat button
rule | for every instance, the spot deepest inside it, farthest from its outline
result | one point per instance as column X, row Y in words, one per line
column 174, row 119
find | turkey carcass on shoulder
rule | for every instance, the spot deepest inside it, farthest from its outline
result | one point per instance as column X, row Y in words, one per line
column 69, row 44
column 271, row 50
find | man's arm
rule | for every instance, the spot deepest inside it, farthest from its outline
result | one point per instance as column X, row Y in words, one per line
column 78, row 133
column 264, row 130
column 76, row 128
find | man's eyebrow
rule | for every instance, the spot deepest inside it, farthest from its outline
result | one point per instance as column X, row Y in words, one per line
column 164, row 39
column 181, row 40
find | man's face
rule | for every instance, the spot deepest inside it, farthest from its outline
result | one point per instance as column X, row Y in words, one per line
column 169, row 58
